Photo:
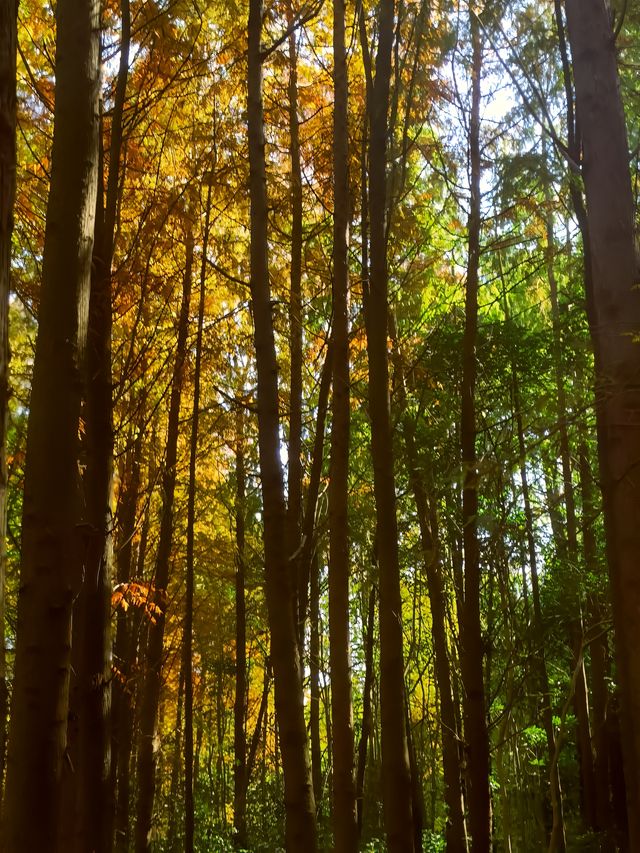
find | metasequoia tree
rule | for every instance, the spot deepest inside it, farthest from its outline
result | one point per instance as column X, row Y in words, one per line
column 294, row 457
column 476, row 735
column 614, row 320
column 298, row 790
column 398, row 816
column 87, row 811
column 344, row 800
column 53, row 533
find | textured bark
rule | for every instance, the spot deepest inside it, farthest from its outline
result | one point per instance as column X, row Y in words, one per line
column 300, row 829
column 88, row 813
column 8, row 42
column 51, row 568
column 345, row 830
column 153, row 658
column 396, row 774
column 471, row 655
column 614, row 321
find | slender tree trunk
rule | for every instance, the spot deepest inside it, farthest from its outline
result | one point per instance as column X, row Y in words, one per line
column 395, row 757
column 124, row 648
column 191, row 520
column 8, row 43
column 475, row 720
column 173, row 835
column 599, row 655
column 367, row 715
column 294, row 466
column 51, row 570
column 344, row 800
column 614, row 321
column 299, row 804
column 148, row 725
column 314, row 684
column 309, row 543
column 240, row 778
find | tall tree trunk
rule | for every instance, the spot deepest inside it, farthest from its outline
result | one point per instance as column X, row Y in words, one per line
column 88, row 815
column 51, row 569
column 240, row 779
column 614, row 321
column 8, row 44
column 300, row 829
column 189, row 817
column 294, row 466
column 395, row 756
column 148, row 726
column 471, row 655
column 345, row 830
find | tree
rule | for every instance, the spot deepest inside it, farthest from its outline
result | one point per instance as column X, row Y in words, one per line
column 299, row 802
column 52, row 527
column 475, row 720
column 395, row 756
column 344, row 799
column 614, row 319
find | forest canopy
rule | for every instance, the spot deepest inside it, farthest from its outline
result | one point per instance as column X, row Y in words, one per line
column 319, row 426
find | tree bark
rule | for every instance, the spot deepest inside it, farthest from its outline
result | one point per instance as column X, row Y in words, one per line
column 345, row 830
column 615, row 320
column 396, row 774
column 51, row 568
column 294, row 465
column 300, row 830
column 471, row 656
